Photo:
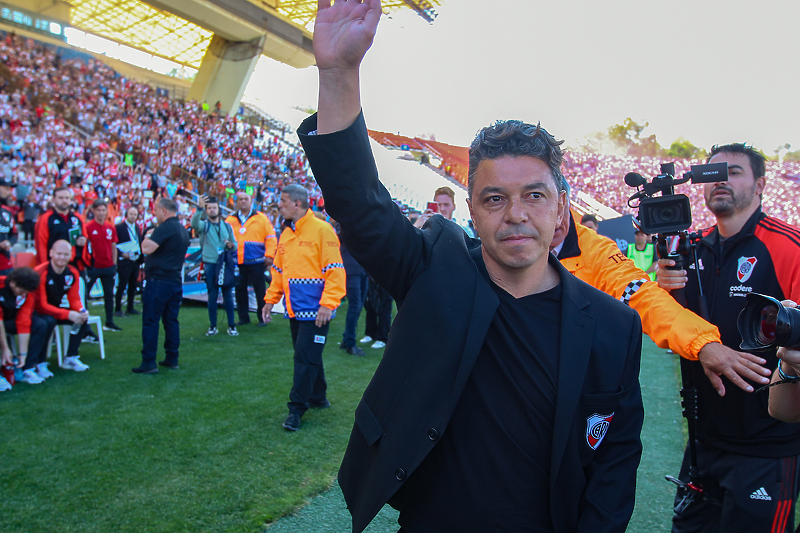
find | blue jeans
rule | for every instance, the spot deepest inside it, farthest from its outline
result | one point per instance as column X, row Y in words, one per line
column 356, row 293
column 213, row 292
column 161, row 300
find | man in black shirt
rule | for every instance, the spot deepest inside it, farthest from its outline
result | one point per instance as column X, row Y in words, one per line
column 508, row 396
column 165, row 252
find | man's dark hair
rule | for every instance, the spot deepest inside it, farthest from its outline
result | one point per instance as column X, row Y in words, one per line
column 514, row 138
column 212, row 200
column 58, row 190
column 99, row 203
column 589, row 218
column 25, row 278
column 169, row 205
column 757, row 159
column 297, row 194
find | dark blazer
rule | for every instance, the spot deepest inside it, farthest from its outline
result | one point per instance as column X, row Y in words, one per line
column 123, row 235
column 445, row 307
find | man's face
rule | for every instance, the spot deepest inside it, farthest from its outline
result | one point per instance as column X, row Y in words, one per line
column 446, row 206
column 18, row 291
column 61, row 201
column 640, row 238
column 100, row 214
column 516, row 208
column 5, row 192
column 727, row 198
column 212, row 210
column 288, row 208
column 60, row 254
column 243, row 202
column 132, row 215
column 591, row 224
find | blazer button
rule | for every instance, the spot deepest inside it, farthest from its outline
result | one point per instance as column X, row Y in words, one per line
column 433, row 434
column 400, row 474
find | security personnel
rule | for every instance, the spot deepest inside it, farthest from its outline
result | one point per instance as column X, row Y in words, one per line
column 598, row 261
column 60, row 223
column 57, row 278
column 256, row 244
column 643, row 254
column 308, row 271
column 8, row 229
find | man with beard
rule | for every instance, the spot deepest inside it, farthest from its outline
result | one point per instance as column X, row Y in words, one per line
column 60, row 223
column 747, row 460
column 8, row 229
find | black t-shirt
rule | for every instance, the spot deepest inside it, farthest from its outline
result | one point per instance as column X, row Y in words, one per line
column 490, row 471
column 166, row 262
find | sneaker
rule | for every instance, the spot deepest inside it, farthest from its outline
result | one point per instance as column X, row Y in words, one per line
column 43, row 371
column 378, row 345
column 119, row 314
column 292, row 423
column 355, row 350
column 133, row 312
column 365, row 340
column 74, row 363
column 110, row 326
column 4, row 384
column 141, row 369
column 30, row 377
column 212, row 331
column 173, row 366
column 242, row 323
column 91, row 339
column 232, row 331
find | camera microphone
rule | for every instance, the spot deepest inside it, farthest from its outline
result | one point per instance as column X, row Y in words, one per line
column 632, row 179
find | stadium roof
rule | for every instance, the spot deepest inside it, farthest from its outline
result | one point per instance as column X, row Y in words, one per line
column 139, row 25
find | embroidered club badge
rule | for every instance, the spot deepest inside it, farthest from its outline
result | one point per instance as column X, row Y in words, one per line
column 596, row 429
column 746, row 266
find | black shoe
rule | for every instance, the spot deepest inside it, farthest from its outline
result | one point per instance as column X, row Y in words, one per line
column 324, row 404
column 133, row 312
column 145, row 370
column 355, row 350
column 173, row 366
column 91, row 339
column 262, row 324
column 292, row 423
column 110, row 326
column 119, row 314
column 242, row 323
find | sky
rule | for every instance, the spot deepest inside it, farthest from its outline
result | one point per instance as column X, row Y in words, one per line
column 710, row 71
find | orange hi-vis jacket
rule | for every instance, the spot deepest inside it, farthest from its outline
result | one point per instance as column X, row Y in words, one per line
column 598, row 261
column 255, row 240
column 308, row 269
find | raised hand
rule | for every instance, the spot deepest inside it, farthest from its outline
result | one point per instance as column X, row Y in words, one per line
column 343, row 32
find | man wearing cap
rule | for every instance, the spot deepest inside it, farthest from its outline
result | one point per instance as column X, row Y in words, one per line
column 216, row 235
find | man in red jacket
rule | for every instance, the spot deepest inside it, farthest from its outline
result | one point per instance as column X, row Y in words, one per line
column 57, row 278
column 100, row 256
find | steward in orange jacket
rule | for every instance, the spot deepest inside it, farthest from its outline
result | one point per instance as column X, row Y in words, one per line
column 597, row 260
column 308, row 269
column 255, row 239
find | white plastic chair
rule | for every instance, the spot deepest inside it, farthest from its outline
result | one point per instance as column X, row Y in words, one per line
column 61, row 347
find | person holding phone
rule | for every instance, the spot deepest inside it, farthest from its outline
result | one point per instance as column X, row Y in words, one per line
column 444, row 203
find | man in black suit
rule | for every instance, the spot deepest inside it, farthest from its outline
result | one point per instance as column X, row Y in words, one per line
column 508, row 396
column 128, row 263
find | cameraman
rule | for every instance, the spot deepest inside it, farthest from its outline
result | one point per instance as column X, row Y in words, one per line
column 784, row 400
column 747, row 460
column 216, row 235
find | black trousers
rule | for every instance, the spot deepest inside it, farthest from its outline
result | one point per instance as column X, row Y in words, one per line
column 74, row 340
column 161, row 301
column 106, row 277
column 128, row 278
column 757, row 494
column 378, row 308
column 37, row 345
column 250, row 276
column 309, row 385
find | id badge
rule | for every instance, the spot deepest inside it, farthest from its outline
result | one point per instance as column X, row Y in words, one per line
column 220, row 249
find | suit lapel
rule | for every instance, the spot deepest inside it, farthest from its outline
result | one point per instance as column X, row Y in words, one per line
column 577, row 331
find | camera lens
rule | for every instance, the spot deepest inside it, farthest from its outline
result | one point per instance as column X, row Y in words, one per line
column 766, row 329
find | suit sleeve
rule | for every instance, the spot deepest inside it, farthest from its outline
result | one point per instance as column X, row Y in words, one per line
column 275, row 289
column 607, row 502
column 663, row 319
column 374, row 230
column 332, row 269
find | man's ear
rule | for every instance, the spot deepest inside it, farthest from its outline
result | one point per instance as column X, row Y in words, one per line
column 761, row 184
